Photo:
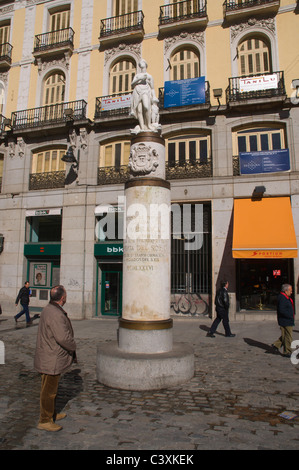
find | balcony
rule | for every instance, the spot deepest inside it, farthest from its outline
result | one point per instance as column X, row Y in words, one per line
column 49, row 180
column 260, row 89
column 5, row 56
column 178, row 170
column 186, row 14
column 53, row 43
column 49, row 115
column 121, row 28
column 238, row 9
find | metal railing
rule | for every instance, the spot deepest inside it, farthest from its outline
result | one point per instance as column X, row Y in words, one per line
column 181, row 11
column 233, row 5
column 48, row 180
column 234, row 91
column 122, row 23
column 54, row 39
column 51, row 114
column 5, row 52
column 177, row 170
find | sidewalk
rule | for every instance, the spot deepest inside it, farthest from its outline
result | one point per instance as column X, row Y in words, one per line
column 233, row 402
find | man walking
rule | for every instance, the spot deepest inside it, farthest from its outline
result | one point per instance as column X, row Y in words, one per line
column 286, row 320
column 222, row 308
column 55, row 352
column 24, row 298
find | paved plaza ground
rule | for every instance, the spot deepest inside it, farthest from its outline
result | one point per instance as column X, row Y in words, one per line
column 233, row 402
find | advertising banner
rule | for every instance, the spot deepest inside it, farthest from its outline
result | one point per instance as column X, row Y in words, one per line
column 263, row 82
column 268, row 161
column 184, row 92
column 115, row 102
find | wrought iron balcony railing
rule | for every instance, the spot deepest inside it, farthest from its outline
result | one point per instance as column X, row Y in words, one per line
column 48, row 115
column 121, row 24
column 112, row 105
column 176, row 170
column 54, row 39
column 5, row 52
column 182, row 11
column 262, row 85
column 49, row 180
column 234, row 5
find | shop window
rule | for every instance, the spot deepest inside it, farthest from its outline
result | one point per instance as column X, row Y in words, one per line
column 188, row 149
column 109, row 226
column 114, row 154
column 184, row 64
column 260, row 281
column 43, row 229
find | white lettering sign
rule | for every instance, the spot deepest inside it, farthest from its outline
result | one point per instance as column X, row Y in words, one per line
column 116, row 102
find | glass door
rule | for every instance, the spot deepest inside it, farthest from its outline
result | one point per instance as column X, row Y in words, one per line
column 111, row 293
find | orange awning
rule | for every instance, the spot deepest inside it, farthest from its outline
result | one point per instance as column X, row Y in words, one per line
column 264, row 229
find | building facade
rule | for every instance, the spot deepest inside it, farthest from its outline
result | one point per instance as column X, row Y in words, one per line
column 232, row 152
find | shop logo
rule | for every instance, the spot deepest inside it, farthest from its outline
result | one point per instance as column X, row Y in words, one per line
column 2, row 353
column 151, row 222
column 295, row 354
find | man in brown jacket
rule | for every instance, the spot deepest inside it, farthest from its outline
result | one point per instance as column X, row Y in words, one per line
column 55, row 352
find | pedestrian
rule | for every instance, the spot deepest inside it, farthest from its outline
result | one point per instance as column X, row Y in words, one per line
column 24, row 299
column 222, row 308
column 55, row 352
column 285, row 319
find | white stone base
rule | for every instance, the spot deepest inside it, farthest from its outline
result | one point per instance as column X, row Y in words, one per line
column 145, row 341
column 132, row 371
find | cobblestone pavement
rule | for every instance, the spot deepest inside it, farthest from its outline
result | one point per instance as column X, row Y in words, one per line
column 233, row 402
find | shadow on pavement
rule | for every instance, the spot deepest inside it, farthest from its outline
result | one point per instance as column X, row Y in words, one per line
column 70, row 385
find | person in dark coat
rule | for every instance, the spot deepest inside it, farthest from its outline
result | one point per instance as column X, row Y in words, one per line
column 24, row 299
column 222, row 308
column 285, row 319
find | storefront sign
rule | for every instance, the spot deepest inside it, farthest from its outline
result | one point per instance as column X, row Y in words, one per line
column 263, row 82
column 42, row 212
column 116, row 102
column 184, row 92
column 269, row 161
column 108, row 249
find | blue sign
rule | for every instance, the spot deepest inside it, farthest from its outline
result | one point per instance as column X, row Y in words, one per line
column 184, row 92
column 268, row 161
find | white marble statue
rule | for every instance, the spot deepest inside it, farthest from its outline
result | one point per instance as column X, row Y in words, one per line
column 144, row 103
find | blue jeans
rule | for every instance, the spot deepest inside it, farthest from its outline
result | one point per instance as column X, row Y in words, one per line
column 26, row 311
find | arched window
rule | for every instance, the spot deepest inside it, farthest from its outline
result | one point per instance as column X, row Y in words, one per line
column 184, row 63
column 188, row 148
column 259, row 138
column 54, row 89
column 2, row 97
column 47, row 161
column 254, row 56
column 121, row 76
column 121, row 7
column 114, row 154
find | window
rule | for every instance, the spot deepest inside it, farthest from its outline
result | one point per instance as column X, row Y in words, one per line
column 54, row 89
column 115, row 154
column 188, row 148
column 121, row 76
column 43, row 229
column 259, row 139
column 121, row 7
column 60, row 20
column 4, row 32
column 48, row 161
column 184, row 64
column 254, row 56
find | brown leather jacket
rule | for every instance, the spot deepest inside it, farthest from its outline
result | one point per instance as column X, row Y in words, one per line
column 55, row 345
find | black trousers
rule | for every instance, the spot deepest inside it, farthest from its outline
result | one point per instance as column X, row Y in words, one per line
column 222, row 315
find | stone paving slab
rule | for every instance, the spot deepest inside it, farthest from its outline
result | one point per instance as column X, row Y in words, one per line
column 233, row 401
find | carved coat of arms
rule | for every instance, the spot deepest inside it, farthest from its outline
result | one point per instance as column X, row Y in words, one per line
column 143, row 159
